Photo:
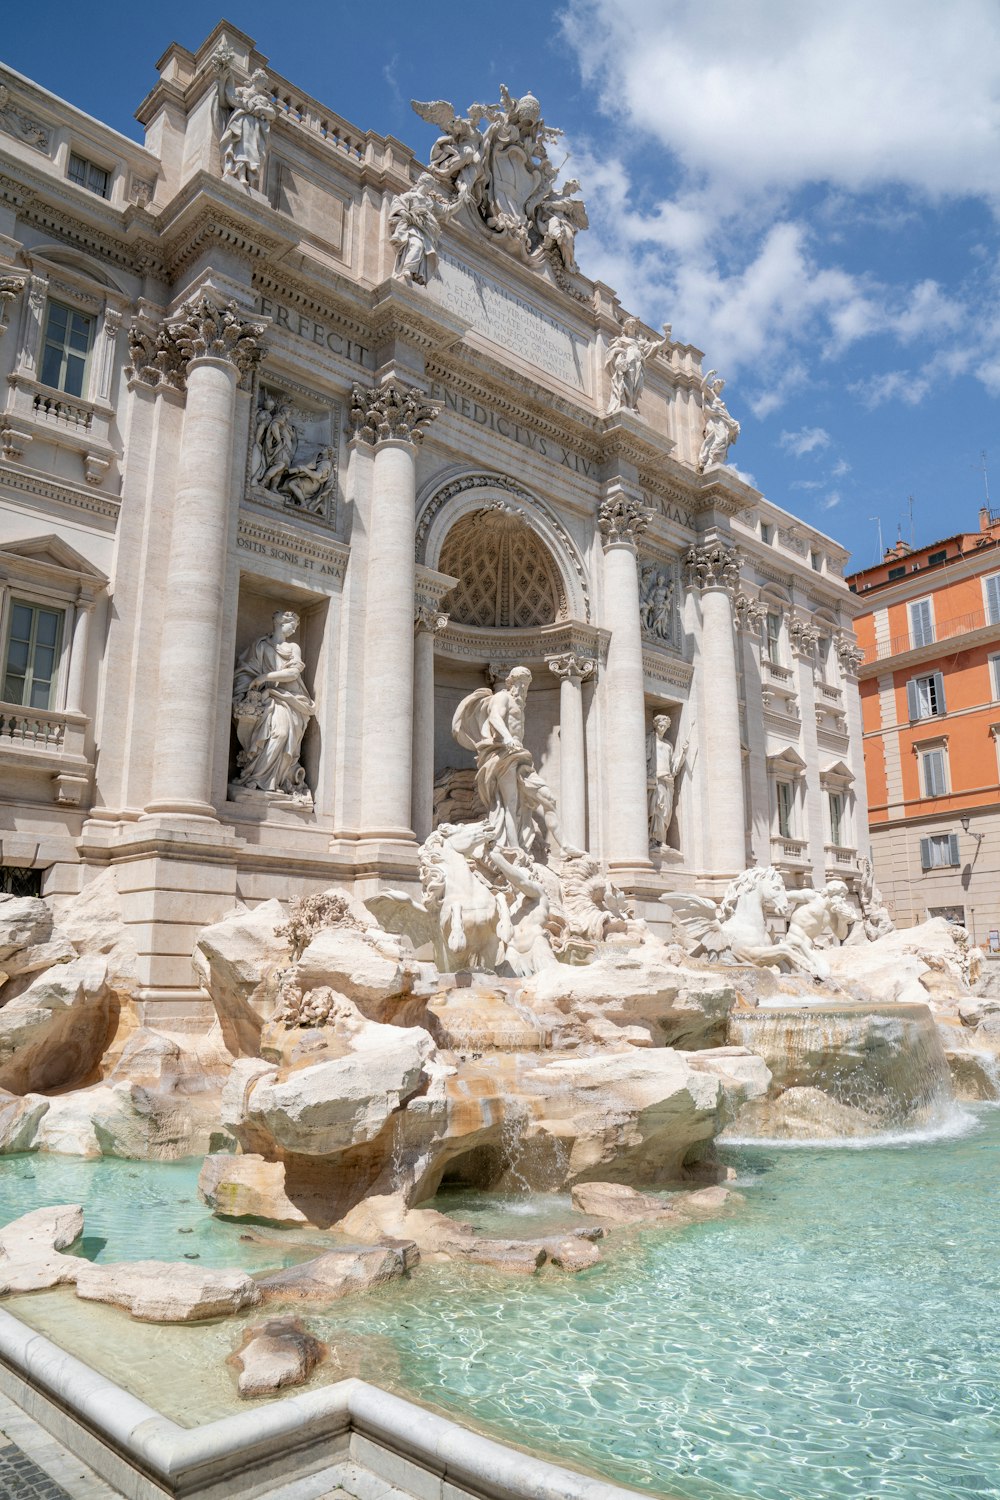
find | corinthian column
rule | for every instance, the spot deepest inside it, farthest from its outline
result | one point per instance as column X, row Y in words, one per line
column 214, row 347
column 427, row 621
column 622, row 520
column 572, row 672
column 713, row 570
column 389, row 417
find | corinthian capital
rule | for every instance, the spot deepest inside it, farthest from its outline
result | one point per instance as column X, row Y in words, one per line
column 713, row 565
column 160, row 355
column 749, row 612
column 11, row 287
column 390, row 411
column 428, row 615
column 622, row 518
column 210, row 330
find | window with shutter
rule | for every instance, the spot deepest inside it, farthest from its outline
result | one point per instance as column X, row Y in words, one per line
column 925, row 696
column 991, row 587
column 995, row 677
column 935, row 777
column 921, row 623
column 938, row 851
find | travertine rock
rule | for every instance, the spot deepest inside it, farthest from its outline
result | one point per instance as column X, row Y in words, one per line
column 247, row 1187
column 25, row 922
column 893, row 968
column 368, row 970
column 19, row 1121
column 482, row 1019
column 522, row 1257
column 157, row 1291
column 30, row 1246
column 801, row 1114
column 239, row 960
column 634, row 987
column 333, row 1106
column 620, row 1204
column 54, row 1032
column 275, row 1354
column 338, row 1273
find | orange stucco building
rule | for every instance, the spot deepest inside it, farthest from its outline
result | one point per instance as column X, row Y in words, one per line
column 930, row 698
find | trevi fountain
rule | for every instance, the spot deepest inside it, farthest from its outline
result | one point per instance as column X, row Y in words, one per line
column 539, row 1119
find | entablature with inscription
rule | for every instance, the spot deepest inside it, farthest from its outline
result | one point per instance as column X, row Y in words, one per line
column 522, row 647
column 289, row 553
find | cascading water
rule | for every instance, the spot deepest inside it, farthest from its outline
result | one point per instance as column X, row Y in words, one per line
column 847, row 1070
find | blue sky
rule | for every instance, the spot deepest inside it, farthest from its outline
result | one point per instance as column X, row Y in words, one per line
column 807, row 193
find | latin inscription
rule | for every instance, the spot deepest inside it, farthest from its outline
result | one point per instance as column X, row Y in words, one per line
column 287, row 556
column 510, row 322
column 315, row 333
column 506, row 427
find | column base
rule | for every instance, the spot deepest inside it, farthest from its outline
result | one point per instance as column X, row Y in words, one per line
column 204, row 811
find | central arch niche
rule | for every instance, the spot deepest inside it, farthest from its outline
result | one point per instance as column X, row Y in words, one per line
column 508, row 579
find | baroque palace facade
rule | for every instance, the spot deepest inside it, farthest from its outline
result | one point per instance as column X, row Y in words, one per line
column 302, row 445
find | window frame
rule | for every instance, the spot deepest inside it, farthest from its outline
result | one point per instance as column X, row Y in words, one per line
column 924, row 754
column 72, row 312
column 772, row 642
column 781, row 785
column 838, row 825
column 915, row 604
column 939, row 709
column 57, row 681
column 991, row 617
column 90, row 166
column 994, row 666
column 931, row 840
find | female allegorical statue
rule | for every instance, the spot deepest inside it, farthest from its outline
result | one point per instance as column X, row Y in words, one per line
column 272, row 709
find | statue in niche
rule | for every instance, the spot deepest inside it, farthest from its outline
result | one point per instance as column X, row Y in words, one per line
column 664, row 765
column 626, row 359
column 656, row 602
column 559, row 217
column 416, row 219
column 521, row 808
column 272, row 709
column 720, row 430
column 244, row 138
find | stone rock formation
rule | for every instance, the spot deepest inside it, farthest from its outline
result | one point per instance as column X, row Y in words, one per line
column 157, row 1291
column 276, row 1354
column 30, row 1246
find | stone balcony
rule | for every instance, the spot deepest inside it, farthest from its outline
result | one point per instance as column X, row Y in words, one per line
column 37, row 413
column 789, row 853
column 48, row 743
column 840, row 860
column 960, row 632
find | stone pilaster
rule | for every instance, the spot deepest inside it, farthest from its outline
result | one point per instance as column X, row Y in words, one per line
column 850, row 657
column 212, row 347
column 622, row 519
column 389, row 418
column 572, row 671
column 802, row 636
column 713, row 571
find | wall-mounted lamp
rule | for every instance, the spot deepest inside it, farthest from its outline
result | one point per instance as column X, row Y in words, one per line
column 965, row 824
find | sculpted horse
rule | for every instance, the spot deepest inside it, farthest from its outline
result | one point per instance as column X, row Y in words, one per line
column 736, row 931
column 467, row 925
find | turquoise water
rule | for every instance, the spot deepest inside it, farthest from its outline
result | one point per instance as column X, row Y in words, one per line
column 836, row 1339
column 142, row 1211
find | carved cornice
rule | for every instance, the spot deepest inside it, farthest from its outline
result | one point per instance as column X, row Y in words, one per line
column 661, row 666
column 389, row 412
column 622, row 519
column 212, row 227
column 713, row 565
column 47, row 489
column 505, row 648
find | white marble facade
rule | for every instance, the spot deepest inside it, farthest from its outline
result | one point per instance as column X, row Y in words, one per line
column 303, row 443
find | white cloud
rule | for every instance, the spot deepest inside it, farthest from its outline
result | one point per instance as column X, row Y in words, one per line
column 831, row 501
column 806, row 440
column 807, row 484
column 756, row 96
column 879, row 110
column 840, row 468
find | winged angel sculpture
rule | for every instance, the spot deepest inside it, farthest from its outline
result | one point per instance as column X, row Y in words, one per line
column 495, row 161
